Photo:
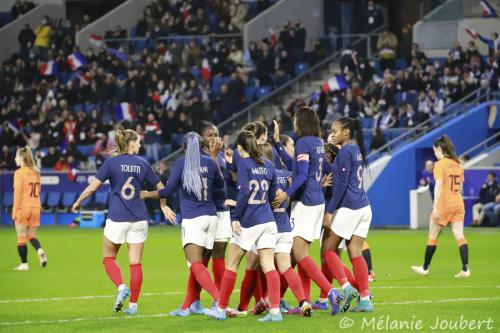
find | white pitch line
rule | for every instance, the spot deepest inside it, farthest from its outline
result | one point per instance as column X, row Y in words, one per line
column 169, row 293
column 160, row 315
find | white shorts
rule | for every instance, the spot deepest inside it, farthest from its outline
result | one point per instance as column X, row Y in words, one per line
column 306, row 220
column 126, row 232
column 348, row 222
column 199, row 231
column 224, row 228
column 262, row 236
column 284, row 243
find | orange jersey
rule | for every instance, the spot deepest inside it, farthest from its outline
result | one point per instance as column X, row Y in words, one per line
column 451, row 173
column 26, row 190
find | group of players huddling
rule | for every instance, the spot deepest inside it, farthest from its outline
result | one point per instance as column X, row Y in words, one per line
column 326, row 198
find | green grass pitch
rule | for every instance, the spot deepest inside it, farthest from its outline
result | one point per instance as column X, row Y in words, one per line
column 73, row 294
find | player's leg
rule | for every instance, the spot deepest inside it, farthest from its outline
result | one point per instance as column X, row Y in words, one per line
column 250, row 285
column 367, row 254
column 218, row 264
column 266, row 258
column 22, row 249
column 194, row 255
column 36, row 245
column 135, row 251
column 292, row 279
column 430, row 249
column 360, row 269
column 457, row 228
column 109, row 253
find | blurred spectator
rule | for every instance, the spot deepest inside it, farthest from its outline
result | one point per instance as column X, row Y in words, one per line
column 20, row 8
column 49, row 161
column 388, row 119
column 386, row 47
column 434, row 105
column 427, row 177
column 378, row 139
column 409, row 118
column 152, row 138
column 318, row 53
column 26, row 39
column 417, row 55
column 42, row 41
column 492, row 212
column 456, row 55
column 238, row 11
column 7, row 159
column 374, row 17
column 300, row 36
column 487, row 196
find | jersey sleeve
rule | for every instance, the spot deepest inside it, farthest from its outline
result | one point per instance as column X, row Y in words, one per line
column 173, row 181
column 302, row 160
column 243, row 182
column 438, row 171
column 104, row 172
column 341, row 171
column 218, row 178
column 278, row 162
column 151, row 177
column 287, row 159
column 274, row 186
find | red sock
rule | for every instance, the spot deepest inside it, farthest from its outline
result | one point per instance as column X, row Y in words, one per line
column 191, row 291
column 135, row 282
column 263, row 282
column 273, row 283
column 197, row 287
column 283, row 285
column 247, row 289
column 305, row 281
column 314, row 273
column 328, row 275
column 350, row 277
column 293, row 281
column 360, row 270
column 335, row 266
column 218, row 267
column 203, row 278
column 257, row 293
column 113, row 270
column 227, row 286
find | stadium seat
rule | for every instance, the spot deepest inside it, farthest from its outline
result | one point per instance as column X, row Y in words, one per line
column 87, row 201
column 263, row 92
column 401, row 64
column 85, row 149
column 89, row 107
column 195, row 70
column 250, row 94
column 301, row 67
column 53, row 200
column 77, row 108
column 367, row 122
column 101, row 197
column 216, row 83
column 43, row 197
column 68, row 199
column 8, row 200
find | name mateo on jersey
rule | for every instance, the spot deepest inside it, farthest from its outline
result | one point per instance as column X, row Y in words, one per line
column 259, row 171
column 131, row 168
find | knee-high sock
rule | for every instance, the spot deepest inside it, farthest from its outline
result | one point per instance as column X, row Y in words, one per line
column 367, row 254
column 263, row 282
column 313, row 271
column 191, row 291
column 292, row 279
column 335, row 266
column 35, row 243
column 273, row 283
column 257, row 293
column 247, row 289
column 197, row 287
column 429, row 252
column 218, row 267
column 22, row 250
column 227, row 286
column 463, row 247
column 113, row 270
column 361, row 274
column 283, row 285
column 135, row 282
column 350, row 277
column 204, row 280
column 305, row 281
column 328, row 275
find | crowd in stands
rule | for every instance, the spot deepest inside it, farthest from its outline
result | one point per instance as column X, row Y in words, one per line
column 18, row 9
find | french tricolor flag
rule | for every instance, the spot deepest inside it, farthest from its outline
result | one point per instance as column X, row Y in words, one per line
column 84, row 78
column 205, row 70
column 48, row 68
column 96, row 40
column 470, row 31
column 488, row 11
column 123, row 111
column 76, row 60
column 335, row 83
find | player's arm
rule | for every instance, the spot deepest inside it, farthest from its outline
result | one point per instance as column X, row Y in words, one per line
column 89, row 190
column 242, row 198
column 438, row 188
column 341, row 171
column 18, row 192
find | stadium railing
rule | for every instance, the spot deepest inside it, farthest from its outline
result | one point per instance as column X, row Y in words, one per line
column 489, row 143
column 299, row 86
column 451, row 111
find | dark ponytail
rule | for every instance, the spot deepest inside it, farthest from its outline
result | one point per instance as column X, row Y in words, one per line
column 248, row 142
column 447, row 147
column 354, row 126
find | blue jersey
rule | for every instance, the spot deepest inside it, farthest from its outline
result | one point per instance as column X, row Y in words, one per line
column 212, row 181
column 220, row 194
column 327, row 169
column 128, row 175
column 280, row 214
column 308, row 171
column 276, row 159
column 348, row 188
column 256, row 187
